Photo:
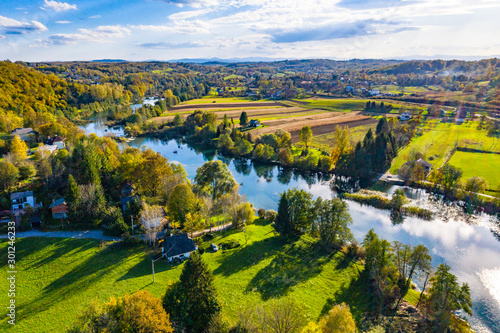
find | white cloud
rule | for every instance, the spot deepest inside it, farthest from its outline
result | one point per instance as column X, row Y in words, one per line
column 2, row 36
column 100, row 34
column 178, row 27
column 13, row 27
column 95, row 17
column 57, row 6
column 63, row 22
column 189, row 14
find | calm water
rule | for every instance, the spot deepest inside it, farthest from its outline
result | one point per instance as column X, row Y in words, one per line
column 470, row 249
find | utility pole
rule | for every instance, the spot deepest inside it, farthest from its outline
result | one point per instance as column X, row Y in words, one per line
column 132, row 224
column 153, row 266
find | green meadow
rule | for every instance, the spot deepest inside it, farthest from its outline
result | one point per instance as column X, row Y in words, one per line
column 58, row 278
column 479, row 164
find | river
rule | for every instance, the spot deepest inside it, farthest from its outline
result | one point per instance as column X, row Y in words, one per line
column 469, row 247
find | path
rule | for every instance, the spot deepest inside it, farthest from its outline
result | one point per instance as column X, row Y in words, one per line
column 93, row 234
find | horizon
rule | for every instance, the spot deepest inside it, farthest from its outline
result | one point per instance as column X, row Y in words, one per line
column 48, row 31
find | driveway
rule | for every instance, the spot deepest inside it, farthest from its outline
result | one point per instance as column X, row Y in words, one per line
column 94, row 234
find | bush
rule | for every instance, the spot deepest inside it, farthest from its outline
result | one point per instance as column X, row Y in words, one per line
column 271, row 215
column 201, row 250
column 261, row 213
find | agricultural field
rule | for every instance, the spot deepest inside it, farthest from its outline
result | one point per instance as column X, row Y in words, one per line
column 392, row 88
column 61, row 277
column 326, row 141
column 437, row 140
column 479, row 164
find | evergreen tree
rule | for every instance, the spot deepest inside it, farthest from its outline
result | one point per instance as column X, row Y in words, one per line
column 294, row 212
column 243, row 119
column 192, row 302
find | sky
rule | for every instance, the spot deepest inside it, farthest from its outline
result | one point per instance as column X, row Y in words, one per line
column 49, row 30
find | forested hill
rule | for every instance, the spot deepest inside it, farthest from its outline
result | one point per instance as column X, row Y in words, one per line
column 444, row 67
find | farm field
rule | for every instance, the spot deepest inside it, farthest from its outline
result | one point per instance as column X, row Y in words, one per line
column 479, row 164
column 438, row 140
column 225, row 100
column 326, row 141
column 61, row 277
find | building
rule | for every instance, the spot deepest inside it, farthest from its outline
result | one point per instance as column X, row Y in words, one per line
column 59, row 209
column 254, row 123
column 374, row 92
column 127, row 189
column 57, row 141
column 406, row 116
column 21, row 200
column 24, row 133
column 349, row 90
column 426, row 165
column 177, row 247
column 50, row 149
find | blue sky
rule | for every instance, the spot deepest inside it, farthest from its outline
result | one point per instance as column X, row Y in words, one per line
column 50, row 30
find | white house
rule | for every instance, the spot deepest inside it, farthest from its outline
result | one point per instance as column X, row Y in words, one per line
column 406, row 116
column 48, row 148
column 57, row 141
column 177, row 247
column 374, row 92
column 20, row 200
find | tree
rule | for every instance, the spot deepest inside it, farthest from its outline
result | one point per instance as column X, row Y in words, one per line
column 9, row 175
column 19, row 149
column 338, row 320
column 306, row 135
column 342, row 138
column 398, row 200
column 153, row 222
column 243, row 119
column 26, row 171
column 450, row 176
column 136, row 313
column 214, row 178
column 282, row 316
column 245, row 215
column 192, row 302
column 331, row 221
column 446, row 297
column 294, row 212
column 181, row 202
column 285, row 156
column 225, row 143
column 476, row 184
column 151, row 172
column 193, row 222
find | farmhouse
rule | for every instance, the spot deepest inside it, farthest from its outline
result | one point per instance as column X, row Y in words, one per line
column 59, row 209
column 254, row 123
column 177, row 247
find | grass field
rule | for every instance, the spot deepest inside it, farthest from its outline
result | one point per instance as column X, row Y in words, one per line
column 478, row 164
column 438, row 140
column 234, row 76
column 58, row 278
column 326, row 141
column 225, row 100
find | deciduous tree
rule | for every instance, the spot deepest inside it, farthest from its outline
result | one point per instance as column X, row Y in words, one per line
column 306, row 135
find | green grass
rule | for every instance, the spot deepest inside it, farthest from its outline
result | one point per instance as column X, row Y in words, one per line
column 162, row 71
column 438, row 140
column 234, row 76
column 407, row 90
column 337, row 105
column 212, row 99
column 479, row 164
column 58, row 278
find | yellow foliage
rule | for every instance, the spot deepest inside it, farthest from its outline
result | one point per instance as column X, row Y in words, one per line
column 19, row 149
column 338, row 320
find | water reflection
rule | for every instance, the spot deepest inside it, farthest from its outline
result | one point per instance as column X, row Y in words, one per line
column 471, row 249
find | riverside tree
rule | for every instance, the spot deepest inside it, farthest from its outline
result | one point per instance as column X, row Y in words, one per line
column 294, row 212
column 306, row 135
column 181, row 202
column 331, row 221
column 214, row 178
column 192, row 302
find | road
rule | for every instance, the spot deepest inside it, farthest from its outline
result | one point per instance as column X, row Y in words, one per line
column 93, row 234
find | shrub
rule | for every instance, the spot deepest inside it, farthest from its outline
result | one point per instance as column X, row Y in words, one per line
column 261, row 213
column 231, row 244
column 271, row 215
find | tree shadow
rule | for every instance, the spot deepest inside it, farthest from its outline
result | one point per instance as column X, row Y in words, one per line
column 355, row 294
column 78, row 280
column 248, row 256
column 298, row 262
column 144, row 267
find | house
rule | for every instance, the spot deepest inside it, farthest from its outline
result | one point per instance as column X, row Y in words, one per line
column 177, row 247
column 254, row 123
column 59, row 208
column 20, row 200
column 24, row 133
column 406, row 116
column 57, row 141
column 349, row 90
column 426, row 165
column 374, row 92
column 5, row 216
column 127, row 189
column 50, row 149
column 125, row 200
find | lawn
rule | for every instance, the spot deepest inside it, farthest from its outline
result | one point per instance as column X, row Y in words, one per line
column 58, row 278
column 438, row 139
column 478, row 164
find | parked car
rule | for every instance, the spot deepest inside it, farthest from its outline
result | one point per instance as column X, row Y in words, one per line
column 214, row 247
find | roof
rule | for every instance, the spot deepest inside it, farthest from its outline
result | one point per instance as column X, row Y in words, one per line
column 56, row 138
column 22, row 131
column 424, row 163
column 20, row 195
column 178, row 244
column 57, row 202
column 126, row 200
column 253, row 121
